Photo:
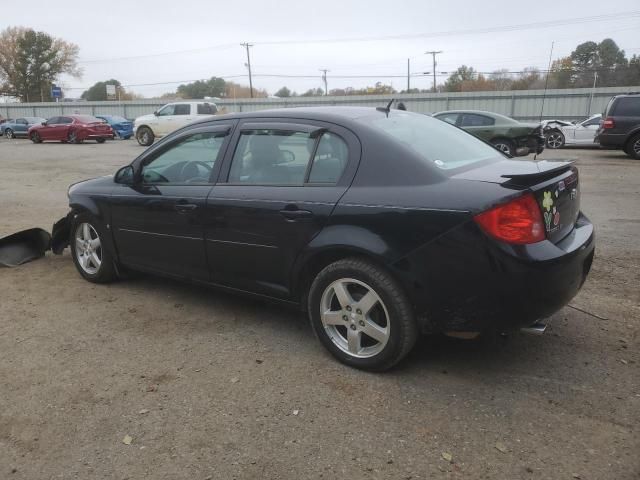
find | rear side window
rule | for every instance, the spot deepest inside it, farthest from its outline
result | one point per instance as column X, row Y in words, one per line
column 627, row 107
column 53, row 121
column 276, row 157
column 330, row 159
column 182, row 109
column 65, row 120
column 206, row 109
column 475, row 120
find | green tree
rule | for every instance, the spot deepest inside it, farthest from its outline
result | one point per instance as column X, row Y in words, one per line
column 313, row 92
column 98, row 92
column 456, row 80
column 284, row 92
column 605, row 57
column 214, row 87
column 30, row 62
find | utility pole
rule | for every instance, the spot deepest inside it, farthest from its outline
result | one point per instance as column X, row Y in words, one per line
column 247, row 45
column 434, row 53
column 324, row 79
column 408, row 75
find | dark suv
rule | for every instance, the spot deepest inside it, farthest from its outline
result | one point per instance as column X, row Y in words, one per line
column 621, row 125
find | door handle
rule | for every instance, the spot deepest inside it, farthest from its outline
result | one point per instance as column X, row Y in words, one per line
column 297, row 214
column 185, row 207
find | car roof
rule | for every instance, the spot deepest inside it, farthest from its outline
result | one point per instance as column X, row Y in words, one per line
column 479, row 112
column 332, row 114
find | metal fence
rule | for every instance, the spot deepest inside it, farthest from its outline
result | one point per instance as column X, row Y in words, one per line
column 567, row 104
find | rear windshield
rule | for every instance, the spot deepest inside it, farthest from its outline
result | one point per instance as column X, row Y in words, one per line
column 118, row 119
column 437, row 142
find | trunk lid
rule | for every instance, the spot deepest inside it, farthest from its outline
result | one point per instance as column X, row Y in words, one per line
column 554, row 184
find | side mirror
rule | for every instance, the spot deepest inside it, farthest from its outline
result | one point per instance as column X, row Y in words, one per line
column 125, row 176
column 155, row 112
column 44, row 123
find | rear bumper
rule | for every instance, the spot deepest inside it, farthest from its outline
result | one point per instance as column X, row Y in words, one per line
column 471, row 283
column 612, row 140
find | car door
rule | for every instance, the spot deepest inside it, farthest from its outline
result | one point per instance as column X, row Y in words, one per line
column 164, row 119
column 585, row 132
column 157, row 222
column 181, row 116
column 47, row 132
column 20, row 127
column 278, row 186
column 481, row 126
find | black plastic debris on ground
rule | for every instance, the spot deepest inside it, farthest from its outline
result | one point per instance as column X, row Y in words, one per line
column 24, row 246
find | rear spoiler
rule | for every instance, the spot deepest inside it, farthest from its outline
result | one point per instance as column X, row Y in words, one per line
column 546, row 170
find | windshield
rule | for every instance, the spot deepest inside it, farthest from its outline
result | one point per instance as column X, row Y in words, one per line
column 88, row 119
column 443, row 145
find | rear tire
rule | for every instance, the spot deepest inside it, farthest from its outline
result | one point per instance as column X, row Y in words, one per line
column 505, row 146
column 35, row 137
column 145, row 136
column 555, row 139
column 90, row 255
column 72, row 137
column 633, row 148
column 361, row 315
column 100, row 140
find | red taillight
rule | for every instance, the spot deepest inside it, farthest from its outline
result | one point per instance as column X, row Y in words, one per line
column 518, row 221
column 608, row 123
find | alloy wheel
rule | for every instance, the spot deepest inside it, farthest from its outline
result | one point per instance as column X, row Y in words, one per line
column 554, row 140
column 88, row 248
column 9, row 133
column 503, row 147
column 636, row 148
column 355, row 318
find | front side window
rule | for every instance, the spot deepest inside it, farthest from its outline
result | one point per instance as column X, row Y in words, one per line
column 53, row 121
column 65, row 120
column 330, row 159
column 434, row 141
column 268, row 156
column 168, row 110
column 182, row 109
column 191, row 160
column 475, row 120
column 21, row 121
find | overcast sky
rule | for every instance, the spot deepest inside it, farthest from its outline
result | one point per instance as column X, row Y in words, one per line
column 150, row 42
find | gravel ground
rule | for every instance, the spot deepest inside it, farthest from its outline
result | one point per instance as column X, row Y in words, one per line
column 209, row 385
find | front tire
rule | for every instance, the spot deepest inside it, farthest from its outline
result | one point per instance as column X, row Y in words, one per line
column 361, row 315
column 90, row 256
column 505, row 146
column 633, row 149
column 100, row 140
column 9, row 134
column 35, row 137
column 72, row 137
column 145, row 136
column 555, row 139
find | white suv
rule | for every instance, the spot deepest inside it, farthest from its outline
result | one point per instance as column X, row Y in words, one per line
column 169, row 118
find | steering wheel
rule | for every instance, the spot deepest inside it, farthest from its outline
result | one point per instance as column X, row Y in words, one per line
column 194, row 175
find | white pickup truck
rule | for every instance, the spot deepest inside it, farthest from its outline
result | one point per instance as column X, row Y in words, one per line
column 169, row 118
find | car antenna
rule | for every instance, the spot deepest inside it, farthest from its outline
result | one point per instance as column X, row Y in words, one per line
column 386, row 109
column 546, row 84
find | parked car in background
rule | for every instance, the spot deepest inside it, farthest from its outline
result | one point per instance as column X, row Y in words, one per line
column 71, row 129
column 169, row 118
column 122, row 128
column 506, row 134
column 3, row 122
column 20, row 126
column 381, row 224
column 621, row 125
column 560, row 133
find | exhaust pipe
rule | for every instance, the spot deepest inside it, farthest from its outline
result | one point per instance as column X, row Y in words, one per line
column 537, row 328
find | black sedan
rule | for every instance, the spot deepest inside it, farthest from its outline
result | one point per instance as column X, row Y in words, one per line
column 381, row 224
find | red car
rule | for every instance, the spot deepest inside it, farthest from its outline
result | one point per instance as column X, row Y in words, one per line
column 71, row 129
